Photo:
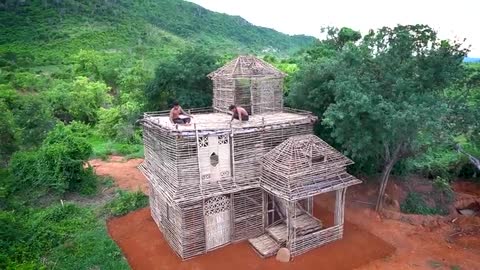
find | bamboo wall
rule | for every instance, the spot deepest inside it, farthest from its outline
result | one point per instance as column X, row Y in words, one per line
column 178, row 193
column 255, row 94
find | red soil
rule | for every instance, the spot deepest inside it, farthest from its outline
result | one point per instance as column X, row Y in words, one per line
column 145, row 248
column 124, row 172
column 370, row 241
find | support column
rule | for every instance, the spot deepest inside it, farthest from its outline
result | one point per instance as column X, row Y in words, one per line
column 340, row 206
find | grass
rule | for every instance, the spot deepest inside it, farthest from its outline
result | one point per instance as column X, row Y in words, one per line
column 125, row 202
column 88, row 249
column 60, row 236
column 102, row 148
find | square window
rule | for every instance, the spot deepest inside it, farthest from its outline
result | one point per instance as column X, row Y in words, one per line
column 203, row 141
column 223, row 139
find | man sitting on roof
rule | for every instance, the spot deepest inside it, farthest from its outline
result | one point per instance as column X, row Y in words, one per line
column 238, row 113
column 178, row 116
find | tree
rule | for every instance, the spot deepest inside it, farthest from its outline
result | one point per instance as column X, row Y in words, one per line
column 385, row 93
column 182, row 77
column 34, row 119
column 335, row 40
column 79, row 100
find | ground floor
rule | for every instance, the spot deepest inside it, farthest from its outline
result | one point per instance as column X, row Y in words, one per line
column 370, row 242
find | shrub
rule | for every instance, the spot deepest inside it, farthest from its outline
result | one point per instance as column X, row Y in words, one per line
column 80, row 129
column 415, row 204
column 125, row 202
column 108, row 122
column 442, row 194
column 57, row 237
column 23, row 167
column 57, row 165
column 34, row 119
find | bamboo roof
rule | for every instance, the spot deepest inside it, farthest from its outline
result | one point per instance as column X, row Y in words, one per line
column 247, row 66
column 300, row 155
column 304, row 166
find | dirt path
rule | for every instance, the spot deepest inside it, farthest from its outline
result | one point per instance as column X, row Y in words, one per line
column 367, row 243
column 124, row 172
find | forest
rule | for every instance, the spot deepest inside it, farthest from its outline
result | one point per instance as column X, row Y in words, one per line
column 76, row 76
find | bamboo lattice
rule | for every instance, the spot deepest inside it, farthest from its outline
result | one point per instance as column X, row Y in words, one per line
column 215, row 182
column 248, row 82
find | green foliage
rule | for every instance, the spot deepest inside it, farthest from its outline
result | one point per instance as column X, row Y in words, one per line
column 42, row 238
column 102, row 148
column 182, row 78
column 415, row 204
column 34, row 120
column 442, row 194
column 90, row 249
column 376, row 98
column 119, row 123
column 80, row 129
column 58, row 165
column 146, row 29
column 8, row 135
column 334, row 41
column 442, row 160
column 125, row 202
column 109, row 121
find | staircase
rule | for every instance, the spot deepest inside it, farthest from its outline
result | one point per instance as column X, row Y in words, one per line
column 276, row 236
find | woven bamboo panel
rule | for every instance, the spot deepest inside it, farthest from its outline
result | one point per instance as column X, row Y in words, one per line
column 304, row 166
column 209, row 180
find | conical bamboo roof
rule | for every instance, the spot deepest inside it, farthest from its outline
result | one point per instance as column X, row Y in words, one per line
column 304, row 166
column 247, row 66
column 303, row 154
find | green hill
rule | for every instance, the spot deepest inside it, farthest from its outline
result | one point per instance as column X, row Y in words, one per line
column 48, row 32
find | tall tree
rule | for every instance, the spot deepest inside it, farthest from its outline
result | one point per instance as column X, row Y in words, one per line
column 183, row 78
column 386, row 92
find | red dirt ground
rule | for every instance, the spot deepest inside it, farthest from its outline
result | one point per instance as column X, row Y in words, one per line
column 124, row 172
column 370, row 241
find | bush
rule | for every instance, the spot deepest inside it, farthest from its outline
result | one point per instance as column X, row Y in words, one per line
column 108, row 122
column 34, row 119
column 80, row 129
column 125, row 202
column 442, row 194
column 59, row 236
column 415, row 204
column 445, row 162
column 57, row 165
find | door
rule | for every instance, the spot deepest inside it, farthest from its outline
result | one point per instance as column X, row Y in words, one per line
column 217, row 221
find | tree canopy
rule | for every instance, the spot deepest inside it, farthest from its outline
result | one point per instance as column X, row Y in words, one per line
column 182, row 78
column 378, row 97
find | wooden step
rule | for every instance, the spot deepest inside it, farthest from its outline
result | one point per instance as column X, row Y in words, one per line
column 265, row 245
column 305, row 224
column 278, row 233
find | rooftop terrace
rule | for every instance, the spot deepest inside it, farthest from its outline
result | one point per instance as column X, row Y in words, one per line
column 205, row 120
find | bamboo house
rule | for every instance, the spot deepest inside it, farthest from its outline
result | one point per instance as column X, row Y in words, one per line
column 217, row 182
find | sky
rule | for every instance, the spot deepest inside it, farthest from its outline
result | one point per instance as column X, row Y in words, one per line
column 453, row 19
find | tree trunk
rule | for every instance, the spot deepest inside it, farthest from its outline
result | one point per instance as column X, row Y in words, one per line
column 384, row 181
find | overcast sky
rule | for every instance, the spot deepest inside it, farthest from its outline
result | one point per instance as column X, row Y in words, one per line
column 451, row 18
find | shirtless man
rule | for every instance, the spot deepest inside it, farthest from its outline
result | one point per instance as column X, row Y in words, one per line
column 238, row 113
column 175, row 113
